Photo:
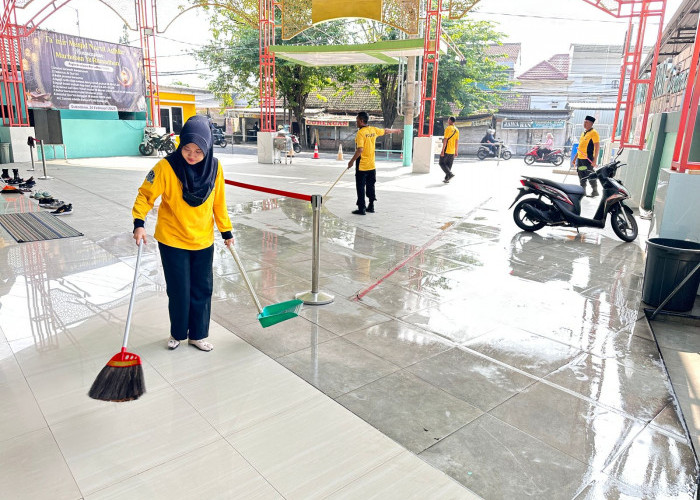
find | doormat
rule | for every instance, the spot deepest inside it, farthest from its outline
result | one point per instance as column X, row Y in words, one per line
column 36, row 226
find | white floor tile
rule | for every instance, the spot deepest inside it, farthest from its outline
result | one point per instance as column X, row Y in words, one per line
column 248, row 392
column 313, row 449
column 32, row 467
column 19, row 412
column 213, row 472
column 124, row 439
column 404, row 477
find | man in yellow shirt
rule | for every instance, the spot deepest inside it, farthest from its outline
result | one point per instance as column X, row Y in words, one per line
column 450, row 146
column 363, row 159
column 587, row 156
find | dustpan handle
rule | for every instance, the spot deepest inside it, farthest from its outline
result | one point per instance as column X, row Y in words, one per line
column 245, row 278
column 133, row 295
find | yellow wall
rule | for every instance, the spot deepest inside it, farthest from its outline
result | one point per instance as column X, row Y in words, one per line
column 185, row 101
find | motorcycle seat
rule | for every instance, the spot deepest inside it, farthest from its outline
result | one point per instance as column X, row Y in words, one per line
column 567, row 188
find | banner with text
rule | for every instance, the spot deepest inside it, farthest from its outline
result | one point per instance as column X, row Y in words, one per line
column 69, row 72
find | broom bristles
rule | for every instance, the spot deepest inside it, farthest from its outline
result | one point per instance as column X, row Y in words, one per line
column 119, row 380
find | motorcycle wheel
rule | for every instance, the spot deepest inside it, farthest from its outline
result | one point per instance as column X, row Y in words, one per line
column 170, row 148
column 623, row 230
column 506, row 155
column 523, row 221
column 297, row 148
column 558, row 160
column 145, row 149
column 529, row 160
column 481, row 154
column 223, row 143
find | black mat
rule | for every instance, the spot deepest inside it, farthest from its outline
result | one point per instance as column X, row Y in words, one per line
column 36, row 226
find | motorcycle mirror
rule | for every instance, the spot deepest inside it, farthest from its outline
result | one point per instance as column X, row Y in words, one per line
column 619, row 151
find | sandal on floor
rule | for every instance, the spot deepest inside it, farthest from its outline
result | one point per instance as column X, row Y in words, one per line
column 202, row 345
column 172, row 343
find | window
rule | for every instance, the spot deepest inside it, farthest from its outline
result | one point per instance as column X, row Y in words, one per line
column 171, row 119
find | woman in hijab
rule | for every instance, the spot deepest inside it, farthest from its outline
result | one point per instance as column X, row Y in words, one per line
column 190, row 182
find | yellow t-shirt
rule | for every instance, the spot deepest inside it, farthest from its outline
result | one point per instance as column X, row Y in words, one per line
column 365, row 139
column 586, row 144
column 180, row 225
column 451, row 143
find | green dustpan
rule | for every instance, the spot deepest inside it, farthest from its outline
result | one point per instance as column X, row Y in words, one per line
column 274, row 313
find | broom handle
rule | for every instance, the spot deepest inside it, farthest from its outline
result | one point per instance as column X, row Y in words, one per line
column 336, row 181
column 133, row 295
column 245, row 278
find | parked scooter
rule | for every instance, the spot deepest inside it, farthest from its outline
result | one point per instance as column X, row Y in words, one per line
column 555, row 157
column 218, row 136
column 560, row 204
column 153, row 142
column 485, row 152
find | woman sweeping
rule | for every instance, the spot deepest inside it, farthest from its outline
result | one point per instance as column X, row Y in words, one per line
column 190, row 182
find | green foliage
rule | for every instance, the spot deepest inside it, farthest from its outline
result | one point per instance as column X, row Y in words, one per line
column 471, row 84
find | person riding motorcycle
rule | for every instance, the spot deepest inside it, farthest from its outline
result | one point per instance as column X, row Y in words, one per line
column 489, row 140
column 546, row 147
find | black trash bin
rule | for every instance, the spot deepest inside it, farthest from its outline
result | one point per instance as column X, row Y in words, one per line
column 668, row 263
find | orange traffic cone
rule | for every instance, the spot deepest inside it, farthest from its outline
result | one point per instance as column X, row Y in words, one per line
column 316, row 151
column 340, row 153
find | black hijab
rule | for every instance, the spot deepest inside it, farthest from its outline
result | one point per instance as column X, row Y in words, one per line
column 198, row 179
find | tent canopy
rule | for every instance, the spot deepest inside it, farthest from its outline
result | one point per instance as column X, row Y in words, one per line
column 384, row 52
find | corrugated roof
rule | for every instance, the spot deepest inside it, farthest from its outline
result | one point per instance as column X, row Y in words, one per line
column 514, row 101
column 543, row 71
column 603, row 49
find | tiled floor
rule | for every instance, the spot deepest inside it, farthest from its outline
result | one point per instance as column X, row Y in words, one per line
column 477, row 361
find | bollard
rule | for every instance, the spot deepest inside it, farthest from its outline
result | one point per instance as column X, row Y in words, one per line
column 315, row 297
column 30, row 143
column 43, row 160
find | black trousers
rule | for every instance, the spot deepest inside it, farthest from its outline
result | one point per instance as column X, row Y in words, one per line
column 189, row 280
column 584, row 168
column 446, row 164
column 364, row 184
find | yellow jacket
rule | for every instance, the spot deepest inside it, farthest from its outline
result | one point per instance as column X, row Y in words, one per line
column 180, row 225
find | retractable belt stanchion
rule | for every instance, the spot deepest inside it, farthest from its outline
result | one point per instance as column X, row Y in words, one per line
column 43, row 160
column 30, row 143
column 315, row 297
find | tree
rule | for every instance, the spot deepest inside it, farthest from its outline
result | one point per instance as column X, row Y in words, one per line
column 471, row 82
column 233, row 56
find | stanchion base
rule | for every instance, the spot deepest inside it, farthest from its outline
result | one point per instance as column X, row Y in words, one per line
column 44, row 177
column 315, row 299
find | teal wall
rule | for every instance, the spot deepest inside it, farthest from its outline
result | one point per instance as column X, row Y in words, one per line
column 98, row 134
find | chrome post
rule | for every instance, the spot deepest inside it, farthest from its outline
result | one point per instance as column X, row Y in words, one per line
column 315, row 297
column 43, row 160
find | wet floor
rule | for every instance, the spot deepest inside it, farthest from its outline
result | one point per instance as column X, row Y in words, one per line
column 518, row 364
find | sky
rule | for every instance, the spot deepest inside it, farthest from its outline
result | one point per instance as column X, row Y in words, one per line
column 544, row 27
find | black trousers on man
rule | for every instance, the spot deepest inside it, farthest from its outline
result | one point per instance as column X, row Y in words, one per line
column 364, row 184
column 584, row 169
column 445, row 163
column 190, row 283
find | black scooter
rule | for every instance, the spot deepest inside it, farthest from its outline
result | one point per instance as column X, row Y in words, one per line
column 218, row 136
column 560, row 204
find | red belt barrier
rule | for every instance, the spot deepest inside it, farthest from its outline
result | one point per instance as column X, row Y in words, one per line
column 288, row 194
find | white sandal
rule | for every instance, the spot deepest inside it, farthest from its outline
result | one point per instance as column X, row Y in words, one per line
column 202, row 345
column 173, row 343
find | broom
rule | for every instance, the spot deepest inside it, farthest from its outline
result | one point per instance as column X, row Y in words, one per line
column 274, row 313
column 122, row 378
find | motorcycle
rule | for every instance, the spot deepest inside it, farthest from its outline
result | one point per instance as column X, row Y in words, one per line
column 295, row 143
column 152, row 142
column 218, row 136
column 555, row 157
column 559, row 204
column 485, row 152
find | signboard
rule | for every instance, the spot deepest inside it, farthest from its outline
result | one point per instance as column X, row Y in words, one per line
column 475, row 123
column 533, row 124
column 68, row 72
column 328, row 123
